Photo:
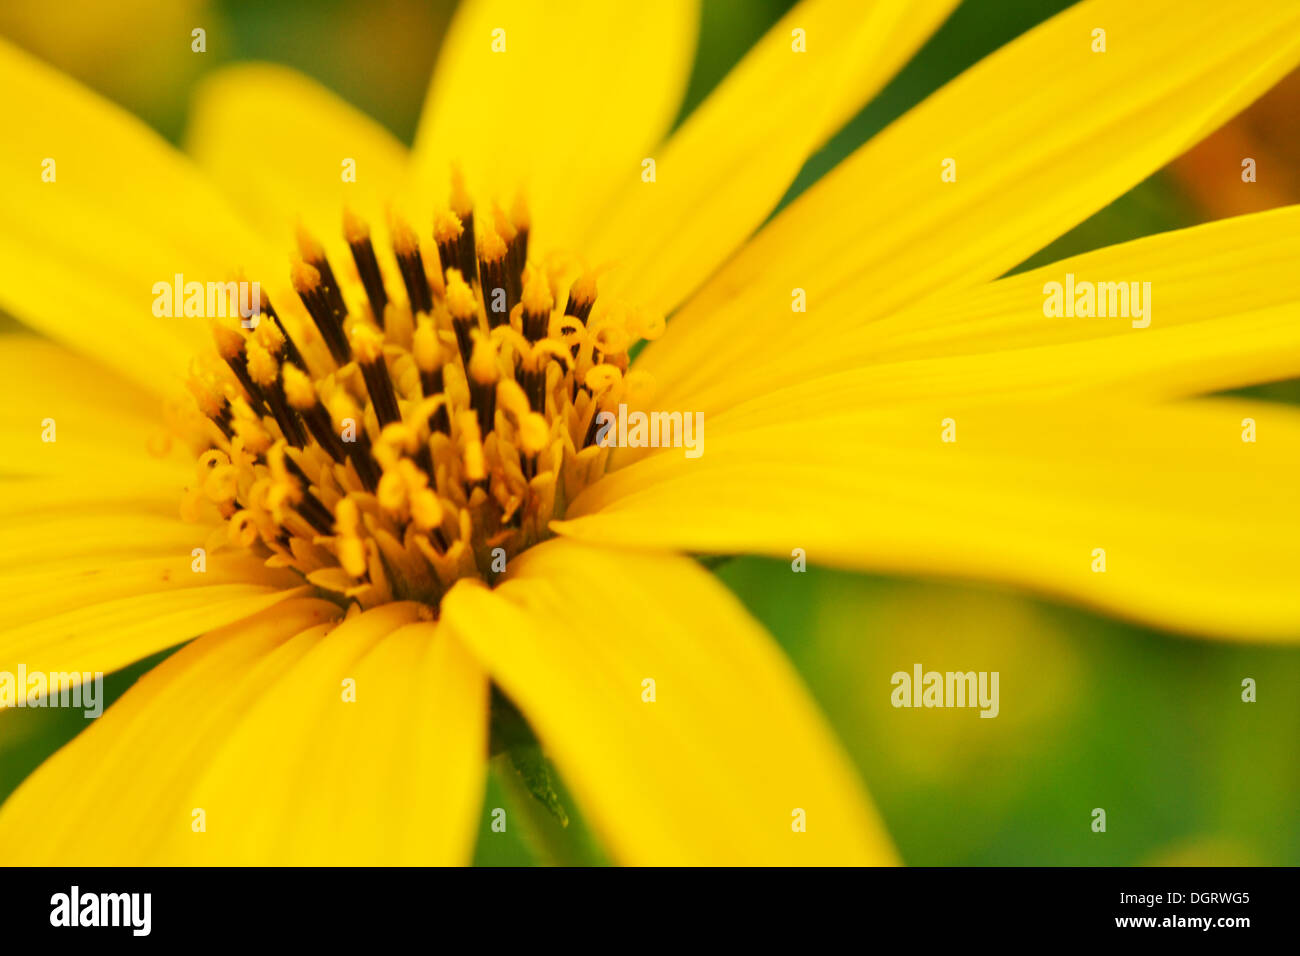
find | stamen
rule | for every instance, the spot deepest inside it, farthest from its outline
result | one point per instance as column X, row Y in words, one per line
column 211, row 403
column 538, row 303
column 522, row 221
column 306, row 280
column 533, row 437
column 368, row 345
column 447, row 231
column 463, row 207
column 265, row 371
column 593, row 425
column 290, row 348
column 464, row 314
column 310, row 507
column 313, row 253
column 483, row 376
column 582, row 296
column 357, row 234
column 515, row 253
column 302, row 396
column 384, row 473
column 411, row 264
column 429, row 359
column 492, row 271
column 230, row 346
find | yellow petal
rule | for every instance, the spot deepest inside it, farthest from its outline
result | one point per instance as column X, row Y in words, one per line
column 109, row 529
column 80, row 255
column 282, row 147
column 716, row 768
column 116, row 792
column 579, row 92
column 395, row 777
column 1224, row 312
column 249, row 725
column 140, row 492
column 111, row 634
column 1043, row 133
column 83, row 581
column 1201, row 530
column 720, row 175
column 98, row 421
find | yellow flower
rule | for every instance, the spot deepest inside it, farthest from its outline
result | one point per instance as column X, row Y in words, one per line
column 334, row 567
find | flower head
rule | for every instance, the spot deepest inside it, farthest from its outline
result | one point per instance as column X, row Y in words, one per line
column 393, row 492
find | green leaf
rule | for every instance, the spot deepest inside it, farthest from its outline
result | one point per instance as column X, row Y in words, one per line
column 513, row 740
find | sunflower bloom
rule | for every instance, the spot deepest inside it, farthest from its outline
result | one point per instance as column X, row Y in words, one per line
column 381, row 493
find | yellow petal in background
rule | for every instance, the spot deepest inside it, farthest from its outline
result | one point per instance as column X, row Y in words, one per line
column 683, row 732
column 1200, row 529
column 561, row 99
column 96, row 209
column 720, row 175
column 279, row 144
column 1043, row 133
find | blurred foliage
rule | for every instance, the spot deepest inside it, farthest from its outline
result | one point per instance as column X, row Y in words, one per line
column 136, row 52
column 1094, row 712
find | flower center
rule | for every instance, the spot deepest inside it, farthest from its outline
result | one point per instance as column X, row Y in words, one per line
column 386, row 444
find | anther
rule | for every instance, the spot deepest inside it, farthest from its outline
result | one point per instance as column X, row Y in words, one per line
column 211, row 403
column 472, row 453
column 301, row 395
column 463, row 207
column 291, row 352
column 447, row 231
column 533, row 437
column 538, row 303
column 429, row 359
column 265, row 371
column 582, row 296
column 482, row 375
column 464, row 313
column 351, row 549
column 514, row 267
column 357, row 234
column 230, row 346
column 311, row 507
column 368, row 344
column 342, row 409
column 522, row 221
column 494, row 278
column 313, row 253
column 306, row 280
column 411, row 265
column 592, row 426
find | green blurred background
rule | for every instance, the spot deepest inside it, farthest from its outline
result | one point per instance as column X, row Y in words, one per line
column 1094, row 713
